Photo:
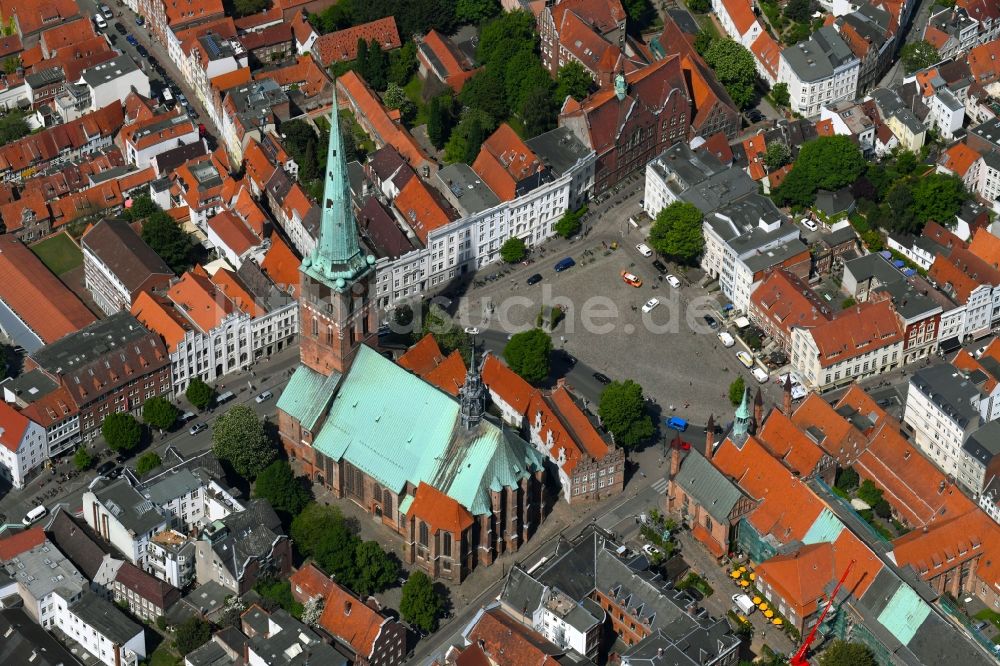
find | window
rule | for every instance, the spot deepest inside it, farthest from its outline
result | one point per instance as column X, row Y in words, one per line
column 423, row 535
column 446, row 544
column 387, row 504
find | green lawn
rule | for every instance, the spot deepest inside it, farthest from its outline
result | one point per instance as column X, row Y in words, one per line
column 163, row 657
column 988, row 615
column 59, row 253
column 413, row 90
column 708, row 24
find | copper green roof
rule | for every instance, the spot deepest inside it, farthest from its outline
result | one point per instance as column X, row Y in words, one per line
column 904, row 614
column 397, row 428
column 307, row 395
column 337, row 260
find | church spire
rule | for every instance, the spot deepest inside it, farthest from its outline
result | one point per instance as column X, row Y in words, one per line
column 337, row 259
column 472, row 395
column 741, row 424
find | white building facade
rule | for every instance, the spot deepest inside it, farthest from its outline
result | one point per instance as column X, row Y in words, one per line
column 819, row 71
column 23, row 447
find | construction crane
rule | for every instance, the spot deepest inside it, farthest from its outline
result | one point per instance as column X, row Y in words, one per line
column 799, row 658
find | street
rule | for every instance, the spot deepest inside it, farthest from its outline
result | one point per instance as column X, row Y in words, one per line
column 271, row 374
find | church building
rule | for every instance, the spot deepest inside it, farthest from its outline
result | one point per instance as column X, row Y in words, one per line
column 460, row 487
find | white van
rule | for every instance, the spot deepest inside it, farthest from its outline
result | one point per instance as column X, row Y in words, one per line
column 100, row 22
column 726, row 339
column 167, row 96
column 744, row 603
column 224, row 397
column 34, row 515
column 760, row 375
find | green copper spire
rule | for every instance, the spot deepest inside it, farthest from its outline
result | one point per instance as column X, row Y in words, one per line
column 741, row 425
column 337, row 259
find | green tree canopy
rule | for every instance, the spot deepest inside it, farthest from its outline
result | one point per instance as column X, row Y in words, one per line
column 440, row 120
column 497, row 35
column 572, row 81
column 538, row 111
column 375, row 570
column 238, row 436
column 703, row 41
column 828, row 162
column 243, row 8
column 513, row 250
column 142, row 207
column 147, row 462
column 476, row 11
column 121, row 431
column 736, row 390
column 527, row 354
column 677, row 232
column 700, row 6
column 569, row 224
column 779, row 93
column 421, row 605
column 322, row 532
column 403, row 63
column 777, row 156
column 162, row 233
column 448, row 335
column 278, row 485
column 82, row 459
column 191, row 634
column 918, row 55
column 467, row 137
column 640, row 14
column 159, row 413
column 735, row 67
column 199, row 393
column 798, row 10
column 13, row 126
column 938, row 197
column 842, row 653
column 847, row 478
column 623, row 413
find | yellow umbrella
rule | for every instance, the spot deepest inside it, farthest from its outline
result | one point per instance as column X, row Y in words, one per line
column 769, row 614
column 753, row 576
column 777, row 622
column 744, row 583
column 757, row 600
column 743, row 569
column 735, row 574
column 762, row 606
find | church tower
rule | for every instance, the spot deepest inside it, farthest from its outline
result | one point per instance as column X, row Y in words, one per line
column 336, row 306
column 742, row 422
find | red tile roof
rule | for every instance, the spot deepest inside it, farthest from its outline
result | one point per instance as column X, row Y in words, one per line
column 962, row 272
column 948, row 544
column 787, row 443
column 305, row 73
column 33, row 15
column 510, row 643
column 13, row 425
column 718, row 145
column 604, row 15
column 788, row 302
column 986, row 246
column 427, row 361
column 12, row 214
column 958, row 159
column 504, row 161
column 439, row 511
column 767, row 52
column 856, row 331
column 183, row 12
column 66, row 34
column 159, row 315
column 269, row 36
column 422, row 208
column 28, row 288
column 506, row 384
column 755, row 149
column 234, row 233
column 21, row 542
column 308, row 582
column 200, row 300
column 741, row 14
column 984, row 62
column 281, row 264
column 343, row 45
column 456, row 65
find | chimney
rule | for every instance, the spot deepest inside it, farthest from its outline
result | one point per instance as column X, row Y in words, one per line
column 786, row 403
column 675, row 457
column 709, row 437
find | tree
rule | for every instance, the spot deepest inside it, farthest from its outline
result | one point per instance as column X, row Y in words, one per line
column 11, row 64
column 247, row 7
column 779, row 94
column 737, row 388
column 496, row 36
column 321, row 532
column 467, row 137
column 842, row 653
column 82, row 459
column 569, row 224
column 777, row 156
column 677, row 232
column 162, row 233
column 640, row 14
column 199, row 393
column 828, row 162
column 395, row 98
column 159, row 413
column 486, row 92
column 939, row 197
column 735, row 67
column 623, row 412
column 847, row 479
column 13, row 126
column 376, row 570
column 869, row 493
column 421, row 605
column 699, row 6
column 191, row 634
column 147, row 462
column 238, row 437
column 403, row 63
column 572, row 80
column 527, row 354
column 475, row 11
column 121, row 431
column 538, row 111
column 278, row 485
column 142, row 207
column 918, row 55
column 362, row 58
column 448, row 335
column 440, row 119
column 798, row 10
column 703, row 41
column 513, row 250
column 883, row 509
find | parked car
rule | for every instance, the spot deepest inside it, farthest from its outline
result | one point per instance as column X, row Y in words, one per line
column 631, row 279
column 108, row 14
column 673, row 281
column 186, row 416
column 677, row 423
column 602, row 378
column 649, row 550
column 120, row 29
column 182, row 99
column 264, row 397
column 745, row 358
column 139, row 20
column 644, row 250
column 564, row 264
column 567, row 357
column 141, row 50
column 534, row 279
column 760, row 375
column 809, row 224
column 650, row 304
column 726, row 339
column 100, row 22
column 132, row 40
column 105, row 468
column 196, row 428
column 660, row 268
column 712, row 324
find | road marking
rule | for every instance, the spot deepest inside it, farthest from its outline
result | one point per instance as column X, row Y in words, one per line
column 660, row 486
